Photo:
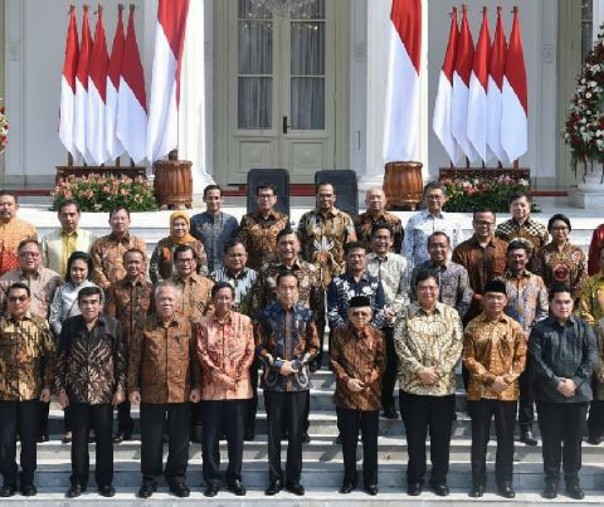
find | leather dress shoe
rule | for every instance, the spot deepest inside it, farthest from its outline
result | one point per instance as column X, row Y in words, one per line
column 296, row 488
column 390, row 413
column 180, row 489
column 211, row 490
column 527, row 438
column 440, row 489
column 7, row 490
column 347, row 487
column 107, row 491
column 238, row 488
column 147, row 490
column 551, row 491
column 371, row 489
column 121, row 436
column 594, row 440
column 305, row 438
column 249, row 435
column 506, row 491
column 338, row 440
column 477, row 491
column 575, row 492
column 414, row 489
column 67, row 438
column 28, row 490
column 42, row 437
column 75, row 490
column 274, row 487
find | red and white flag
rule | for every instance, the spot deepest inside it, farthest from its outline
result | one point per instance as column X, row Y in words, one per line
column 68, row 86
column 401, row 134
column 477, row 98
column 496, row 71
column 97, row 94
column 464, row 61
column 514, row 114
column 441, row 122
column 162, row 133
column 114, row 146
column 81, row 96
column 132, row 99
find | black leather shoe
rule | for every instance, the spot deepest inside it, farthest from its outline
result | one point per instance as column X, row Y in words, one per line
column 527, row 438
column 75, row 490
column 477, row 491
column 506, row 490
column 390, row 413
column 440, row 489
column 551, row 491
column 42, row 437
column 67, row 438
column 118, row 438
column 338, row 440
column 371, row 489
column 414, row 489
column 594, row 440
column 347, row 487
column 238, row 488
column 249, row 435
column 147, row 490
column 28, row 490
column 274, row 488
column 212, row 490
column 575, row 492
column 305, row 438
column 7, row 490
column 107, row 491
column 296, row 488
column 180, row 489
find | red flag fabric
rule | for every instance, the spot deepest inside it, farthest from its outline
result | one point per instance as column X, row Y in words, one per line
column 68, row 86
column 114, row 146
column 81, row 97
column 496, row 72
column 97, row 93
column 514, row 115
column 441, row 122
column 132, row 98
column 401, row 135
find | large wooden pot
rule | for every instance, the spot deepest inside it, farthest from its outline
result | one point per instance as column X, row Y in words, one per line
column 403, row 185
column 173, row 183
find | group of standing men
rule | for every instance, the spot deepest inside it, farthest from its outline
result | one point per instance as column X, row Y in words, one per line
column 188, row 348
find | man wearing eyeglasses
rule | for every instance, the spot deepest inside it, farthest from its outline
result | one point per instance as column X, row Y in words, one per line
column 27, row 349
column 258, row 230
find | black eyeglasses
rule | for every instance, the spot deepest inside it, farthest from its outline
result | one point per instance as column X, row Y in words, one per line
column 14, row 299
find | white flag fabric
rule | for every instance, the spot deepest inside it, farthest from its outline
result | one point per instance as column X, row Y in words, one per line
column 81, row 96
column 496, row 71
column 68, row 86
column 114, row 146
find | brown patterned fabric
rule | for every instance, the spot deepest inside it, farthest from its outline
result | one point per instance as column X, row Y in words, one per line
column 91, row 364
column 107, row 257
column 323, row 236
column 259, row 235
column 531, row 230
column 130, row 302
column 364, row 222
column 163, row 364
column 161, row 265
column 196, row 298
column 358, row 355
column 599, row 370
column 11, row 234
column 493, row 349
column 42, row 285
column 27, row 351
column 567, row 266
column 225, row 347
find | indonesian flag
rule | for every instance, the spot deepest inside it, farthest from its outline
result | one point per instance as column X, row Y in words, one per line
column 496, row 71
column 464, row 61
column 514, row 115
column 68, row 86
column 97, row 94
column 132, row 99
column 162, row 133
column 477, row 99
column 441, row 122
column 401, row 136
column 81, row 96
column 114, row 146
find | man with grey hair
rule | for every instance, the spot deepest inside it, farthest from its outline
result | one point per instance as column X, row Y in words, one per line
column 375, row 201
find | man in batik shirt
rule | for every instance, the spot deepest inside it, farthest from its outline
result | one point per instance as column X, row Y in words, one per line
column 495, row 354
column 323, row 233
column 258, row 230
column 196, row 290
column 129, row 301
column 453, row 281
column 527, row 304
column 288, row 341
column 27, row 349
column 425, row 223
column 391, row 271
column 375, row 201
column 108, row 251
column 213, row 227
column 13, row 230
